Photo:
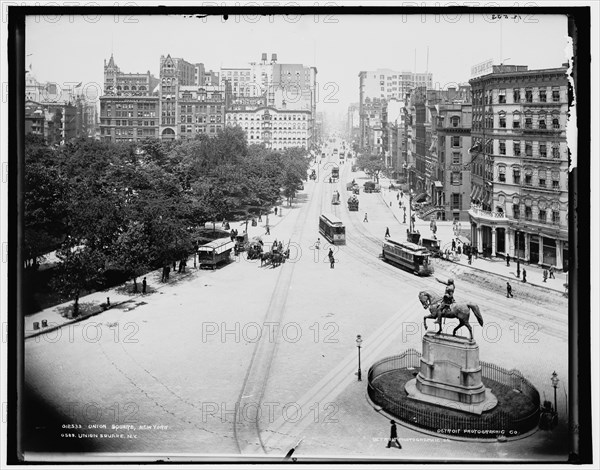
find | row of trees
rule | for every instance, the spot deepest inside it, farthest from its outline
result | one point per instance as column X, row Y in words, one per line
column 137, row 206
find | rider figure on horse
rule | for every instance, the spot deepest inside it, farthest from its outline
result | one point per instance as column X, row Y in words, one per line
column 448, row 299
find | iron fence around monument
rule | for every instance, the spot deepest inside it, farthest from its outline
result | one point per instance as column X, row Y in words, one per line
column 489, row 424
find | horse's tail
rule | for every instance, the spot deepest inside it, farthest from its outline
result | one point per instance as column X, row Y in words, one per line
column 477, row 313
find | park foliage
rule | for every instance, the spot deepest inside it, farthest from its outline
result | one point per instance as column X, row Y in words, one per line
column 133, row 207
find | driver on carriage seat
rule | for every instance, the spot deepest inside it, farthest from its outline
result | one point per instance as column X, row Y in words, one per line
column 448, row 299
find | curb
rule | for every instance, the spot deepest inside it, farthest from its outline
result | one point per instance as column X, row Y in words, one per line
column 88, row 315
column 479, row 269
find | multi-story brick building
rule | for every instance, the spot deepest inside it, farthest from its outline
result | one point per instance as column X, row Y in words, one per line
column 520, row 191
column 129, row 107
column 449, row 183
column 277, row 129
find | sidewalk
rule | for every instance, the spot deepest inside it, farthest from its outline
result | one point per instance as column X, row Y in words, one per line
column 121, row 296
column 445, row 234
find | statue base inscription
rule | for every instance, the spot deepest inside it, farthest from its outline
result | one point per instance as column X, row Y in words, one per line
column 450, row 375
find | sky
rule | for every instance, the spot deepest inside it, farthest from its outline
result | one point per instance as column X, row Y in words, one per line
column 73, row 49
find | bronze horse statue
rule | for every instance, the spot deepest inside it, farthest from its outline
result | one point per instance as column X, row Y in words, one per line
column 459, row 311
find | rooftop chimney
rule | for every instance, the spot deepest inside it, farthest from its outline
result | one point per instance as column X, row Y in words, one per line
column 264, row 57
column 273, row 58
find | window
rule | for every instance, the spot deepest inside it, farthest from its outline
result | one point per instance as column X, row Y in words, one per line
column 455, row 200
column 501, row 96
column 555, row 151
column 543, row 150
column 456, row 158
column 528, row 122
column 502, row 174
column 528, row 149
column 517, row 95
column 455, row 141
column 542, row 178
column 527, row 180
column 517, row 148
column 542, row 95
column 456, row 177
column 503, row 122
column 516, row 120
column 555, row 95
column 502, row 147
column 528, row 213
column 516, row 211
column 555, row 217
column 555, row 122
column 517, row 176
column 528, row 95
column 455, row 121
column 542, row 216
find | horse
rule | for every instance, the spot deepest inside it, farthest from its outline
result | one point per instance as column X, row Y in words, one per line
column 459, row 311
column 277, row 259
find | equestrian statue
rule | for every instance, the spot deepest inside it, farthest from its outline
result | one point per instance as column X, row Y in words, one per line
column 445, row 307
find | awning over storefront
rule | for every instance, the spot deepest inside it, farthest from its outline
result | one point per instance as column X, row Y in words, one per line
column 438, row 184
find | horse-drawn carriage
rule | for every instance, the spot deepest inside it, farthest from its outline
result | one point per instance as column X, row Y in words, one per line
column 276, row 256
column 255, row 248
column 336, row 198
column 353, row 203
column 313, row 175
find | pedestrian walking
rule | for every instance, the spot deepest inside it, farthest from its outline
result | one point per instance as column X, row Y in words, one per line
column 524, row 275
column 551, row 272
column 387, row 232
column 331, row 259
column 404, row 221
column 453, row 244
column 144, row 284
column 164, row 274
column 318, row 243
column 276, row 211
column 508, row 290
column 268, row 230
column 545, row 275
column 470, row 257
column 366, row 218
column 393, row 435
column 398, row 196
column 507, row 259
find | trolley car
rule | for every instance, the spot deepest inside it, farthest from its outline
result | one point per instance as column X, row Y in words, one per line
column 215, row 252
column 332, row 229
column 407, row 255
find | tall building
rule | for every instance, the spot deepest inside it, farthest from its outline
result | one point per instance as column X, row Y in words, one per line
column 448, row 172
column 129, row 107
column 283, row 91
column 520, row 190
column 383, row 85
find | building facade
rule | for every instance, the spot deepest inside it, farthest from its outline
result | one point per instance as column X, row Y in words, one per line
column 383, row 85
column 129, row 107
column 520, row 204
column 277, row 129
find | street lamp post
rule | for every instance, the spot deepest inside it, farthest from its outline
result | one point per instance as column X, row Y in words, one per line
column 554, row 380
column 358, row 343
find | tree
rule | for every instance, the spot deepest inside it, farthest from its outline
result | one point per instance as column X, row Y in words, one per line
column 131, row 252
column 80, row 268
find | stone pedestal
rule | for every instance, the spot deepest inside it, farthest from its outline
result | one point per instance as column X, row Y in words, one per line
column 450, row 375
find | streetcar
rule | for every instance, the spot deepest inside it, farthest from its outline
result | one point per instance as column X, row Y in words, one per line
column 332, row 229
column 407, row 255
column 215, row 252
column 335, row 173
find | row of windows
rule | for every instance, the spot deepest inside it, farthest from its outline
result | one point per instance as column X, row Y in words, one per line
column 543, row 176
column 199, row 129
column 293, row 117
column 528, row 95
column 542, row 149
column 542, row 214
